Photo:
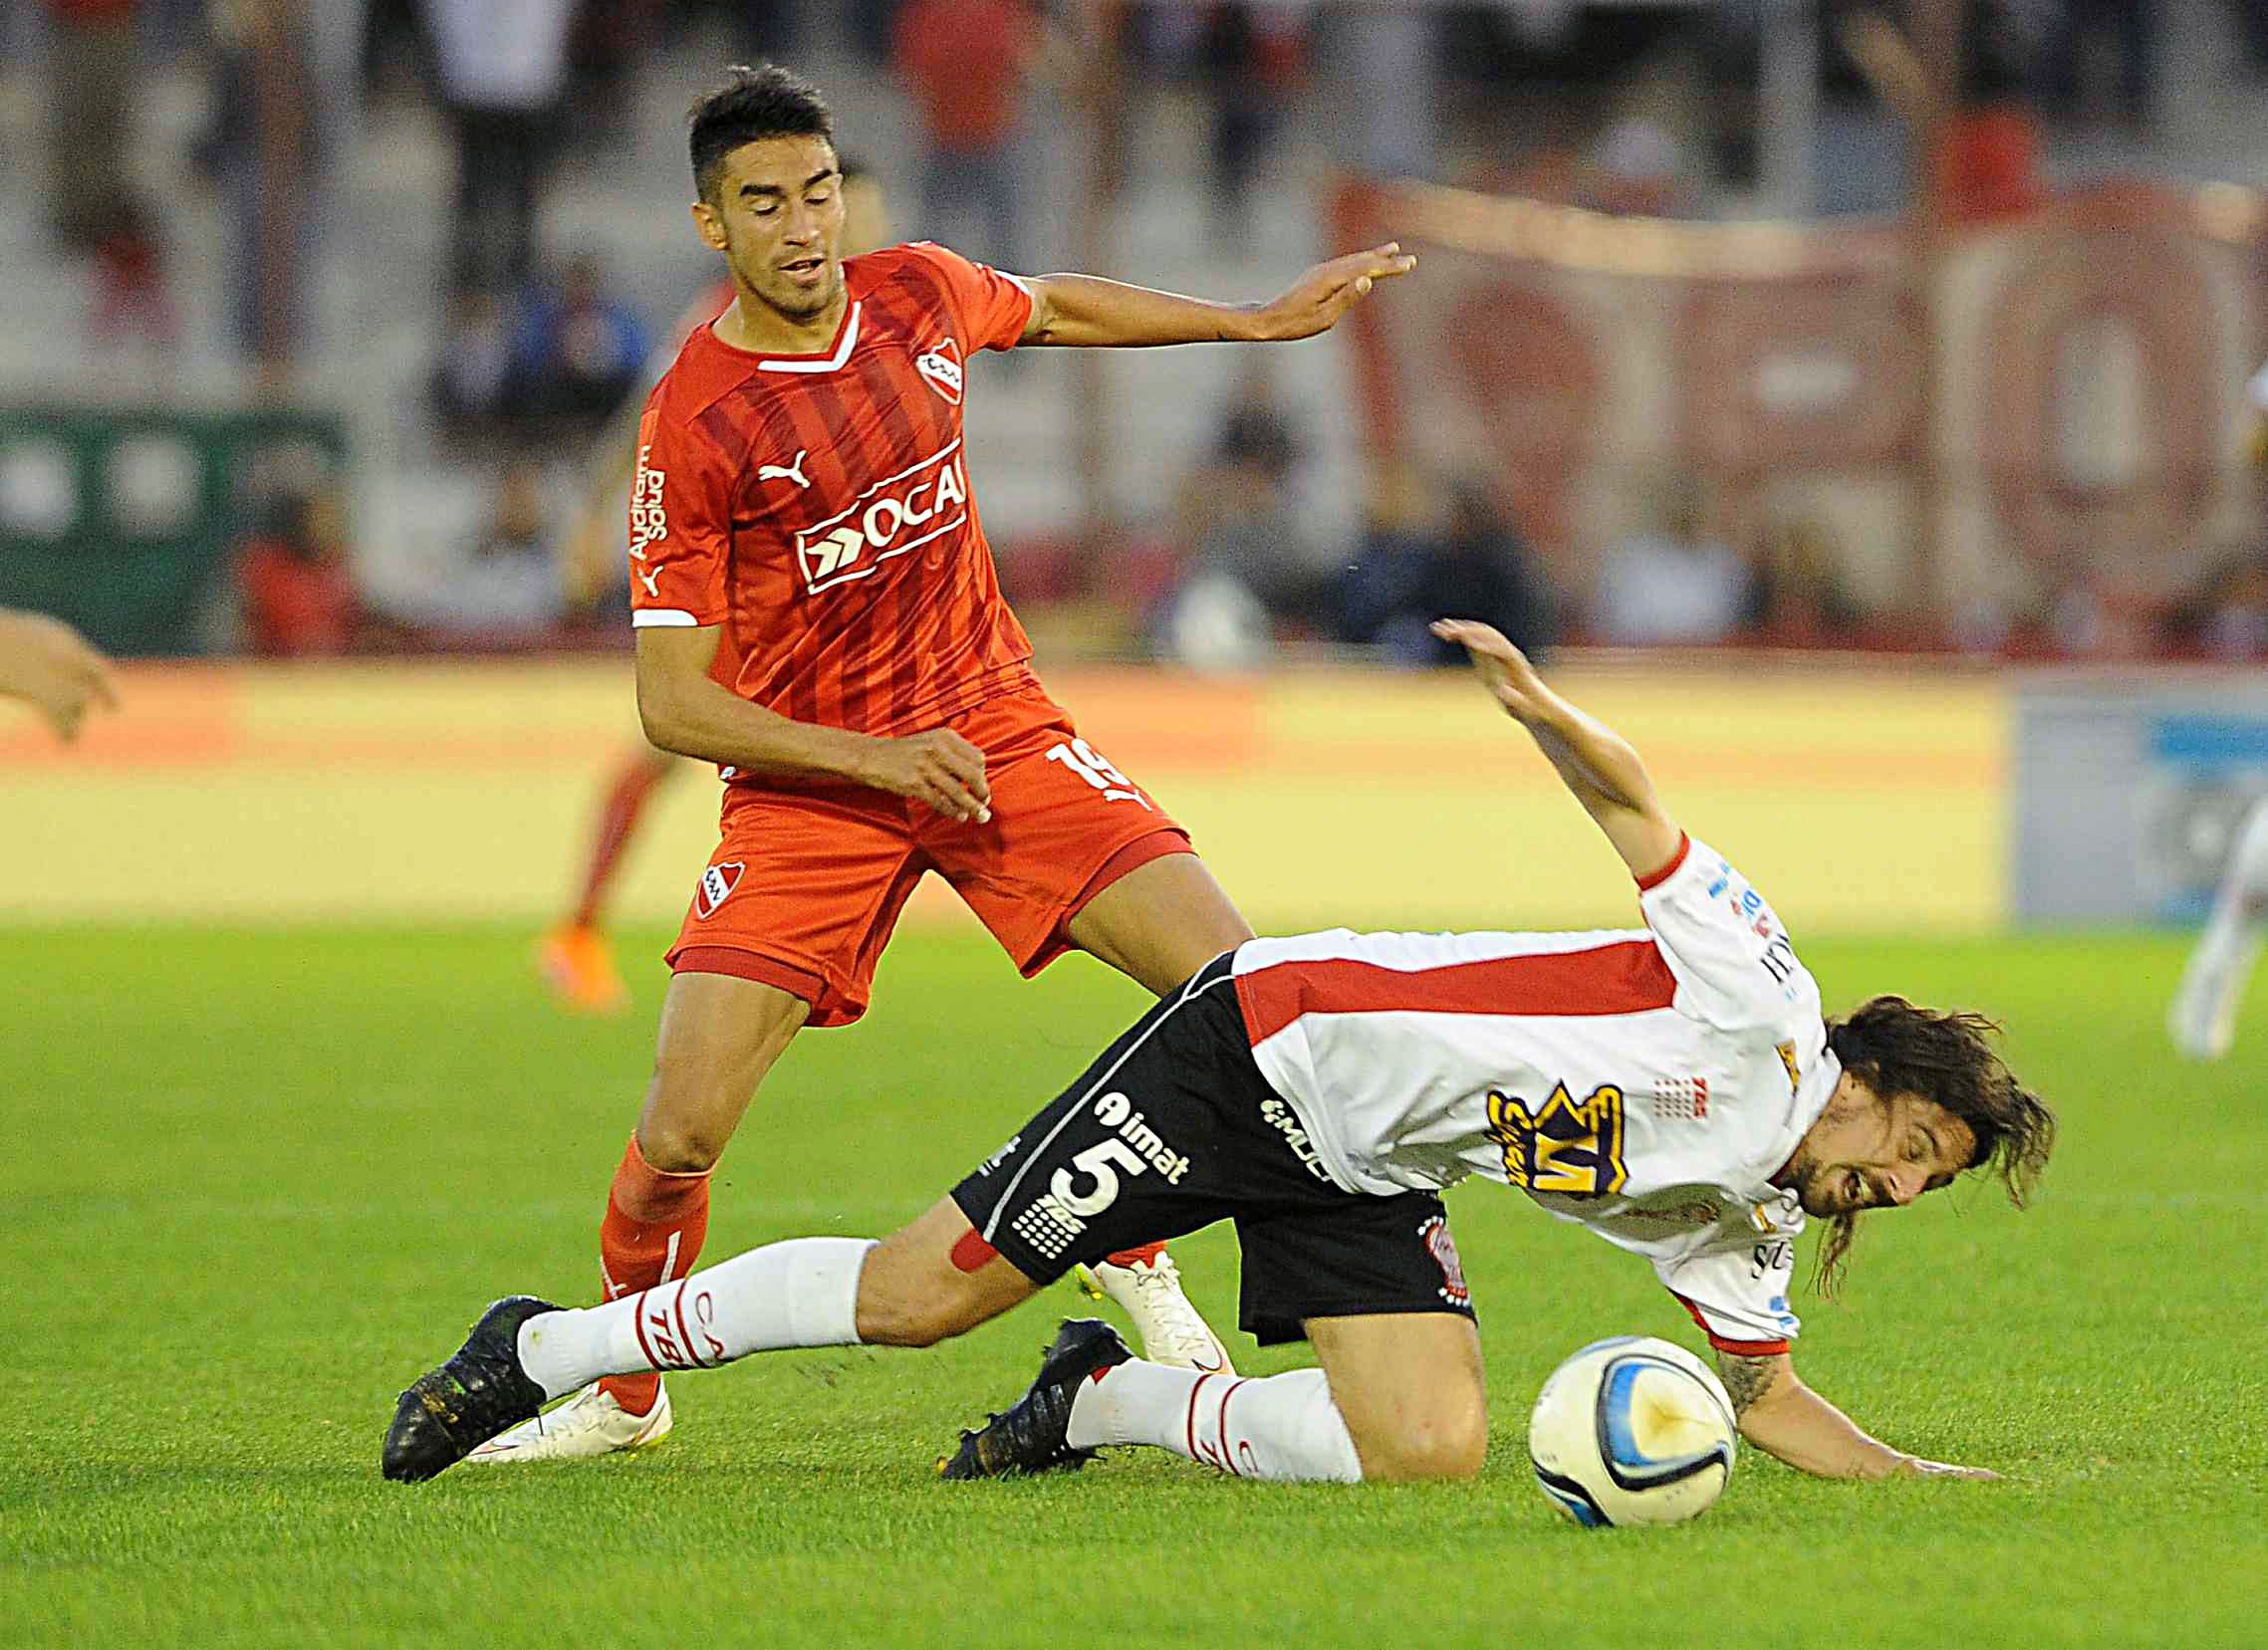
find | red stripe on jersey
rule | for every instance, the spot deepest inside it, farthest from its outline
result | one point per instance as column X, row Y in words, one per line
column 1738, row 1349
column 1627, row 977
column 1654, row 880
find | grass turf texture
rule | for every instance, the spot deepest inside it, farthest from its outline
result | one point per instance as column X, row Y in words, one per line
column 260, row 1180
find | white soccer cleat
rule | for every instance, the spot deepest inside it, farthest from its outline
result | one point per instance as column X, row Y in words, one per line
column 2203, row 1020
column 1172, row 1330
column 590, row 1423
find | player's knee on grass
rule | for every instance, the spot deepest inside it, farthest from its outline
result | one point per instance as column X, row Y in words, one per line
column 1411, row 1388
column 1451, row 1443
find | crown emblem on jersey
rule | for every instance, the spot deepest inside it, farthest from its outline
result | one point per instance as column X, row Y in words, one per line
column 942, row 367
column 717, row 883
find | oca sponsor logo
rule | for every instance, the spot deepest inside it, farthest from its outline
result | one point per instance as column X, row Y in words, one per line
column 890, row 518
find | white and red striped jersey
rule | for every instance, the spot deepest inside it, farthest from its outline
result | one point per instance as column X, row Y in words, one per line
column 1647, row 1083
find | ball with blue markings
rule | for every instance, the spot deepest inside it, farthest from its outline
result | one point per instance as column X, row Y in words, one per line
column 1633, row 1430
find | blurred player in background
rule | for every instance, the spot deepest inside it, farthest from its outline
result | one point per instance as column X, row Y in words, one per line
column 2202, row 1018
column 54, row 669
column 1322, row 1091
column 817, row 613
column 574, row 958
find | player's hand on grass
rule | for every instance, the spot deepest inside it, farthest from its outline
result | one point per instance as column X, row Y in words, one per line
column 47, row 663
column 1503, row 668
column 1915, row 1467
column 939, row 768
column 1319, row 298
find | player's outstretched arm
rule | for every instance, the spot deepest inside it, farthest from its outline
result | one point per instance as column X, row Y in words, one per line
column 1594, row 761
column 1785, row 1418
column 47, row 663
column 684, row 710
column 1086, row 310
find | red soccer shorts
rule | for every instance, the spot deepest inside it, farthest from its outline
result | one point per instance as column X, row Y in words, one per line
column 807, row 884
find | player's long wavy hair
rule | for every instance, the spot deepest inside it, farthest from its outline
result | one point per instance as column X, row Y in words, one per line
column 1945, row 1056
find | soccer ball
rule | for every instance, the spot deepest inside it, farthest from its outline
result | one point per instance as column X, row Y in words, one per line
column 1631, row 1430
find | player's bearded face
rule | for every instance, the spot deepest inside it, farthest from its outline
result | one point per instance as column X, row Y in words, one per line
column 778, row 220
column 1865, row 1152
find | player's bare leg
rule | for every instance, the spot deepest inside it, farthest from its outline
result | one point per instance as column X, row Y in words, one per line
column 719, row 1037
column 1158, row 924
column 934, row 1279
column 574, row 958
column 1161, row 922
column 1398, row 1397
column 1411, row 1389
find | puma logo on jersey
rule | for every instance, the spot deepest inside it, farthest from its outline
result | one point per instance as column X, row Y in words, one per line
column 891, row 516
column 942, row 367
column 651, row 581
column 786, row 472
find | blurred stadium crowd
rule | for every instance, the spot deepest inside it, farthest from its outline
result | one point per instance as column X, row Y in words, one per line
column 321, row 305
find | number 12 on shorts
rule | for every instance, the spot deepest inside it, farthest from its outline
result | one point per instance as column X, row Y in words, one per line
column 1089, row 764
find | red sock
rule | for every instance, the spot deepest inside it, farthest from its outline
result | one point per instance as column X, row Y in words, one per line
column 625, row 797
column 652, row 1233
column 1143, row 1254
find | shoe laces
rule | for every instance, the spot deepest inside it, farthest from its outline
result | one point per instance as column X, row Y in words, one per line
column 1159, row 1286
column 1159, row 1278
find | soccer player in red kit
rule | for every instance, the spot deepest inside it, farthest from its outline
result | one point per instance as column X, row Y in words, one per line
column 573, row 957
column 817, row 613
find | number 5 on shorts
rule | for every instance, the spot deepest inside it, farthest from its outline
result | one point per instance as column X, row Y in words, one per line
column 1089, row 764
column 1096, row 1161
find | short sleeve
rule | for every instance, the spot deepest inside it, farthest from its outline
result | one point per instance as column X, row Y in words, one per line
column 1738, row 1296
column 680, row 526
column 1733, row 962
column 993, row 307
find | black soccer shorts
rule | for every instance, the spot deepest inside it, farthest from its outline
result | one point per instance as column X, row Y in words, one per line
column 1174, row 1129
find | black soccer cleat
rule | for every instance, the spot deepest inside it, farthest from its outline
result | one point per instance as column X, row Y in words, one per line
column 450, row 1411
column 1030, row 1437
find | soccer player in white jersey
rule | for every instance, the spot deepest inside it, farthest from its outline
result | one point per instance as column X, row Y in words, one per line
column 1674, row 1088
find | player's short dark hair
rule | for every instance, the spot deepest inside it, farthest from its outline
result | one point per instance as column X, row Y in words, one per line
column 749, row 106
column 1946, row 1056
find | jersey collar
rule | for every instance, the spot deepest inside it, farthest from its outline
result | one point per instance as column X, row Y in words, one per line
column 845, row 339
column 844, row 342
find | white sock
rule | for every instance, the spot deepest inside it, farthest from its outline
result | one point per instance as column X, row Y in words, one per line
column 801, row 1292
column 1282, row 1427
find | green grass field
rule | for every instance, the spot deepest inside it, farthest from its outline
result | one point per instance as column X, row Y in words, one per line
column 256, row 1181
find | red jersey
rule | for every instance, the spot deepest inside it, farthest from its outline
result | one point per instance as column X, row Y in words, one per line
column 818, row 507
